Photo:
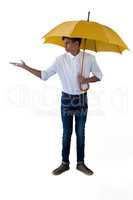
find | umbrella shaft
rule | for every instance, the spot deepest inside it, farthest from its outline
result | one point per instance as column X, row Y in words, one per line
column 82, row 63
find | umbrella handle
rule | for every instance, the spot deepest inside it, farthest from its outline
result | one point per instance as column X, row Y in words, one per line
column 84, row 90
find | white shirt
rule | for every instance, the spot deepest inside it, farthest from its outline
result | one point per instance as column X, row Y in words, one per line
column 68, row 67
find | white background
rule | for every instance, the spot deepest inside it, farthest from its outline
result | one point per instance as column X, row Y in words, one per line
column 30, row 122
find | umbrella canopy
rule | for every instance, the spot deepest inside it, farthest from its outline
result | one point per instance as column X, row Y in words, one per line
column 98, row 37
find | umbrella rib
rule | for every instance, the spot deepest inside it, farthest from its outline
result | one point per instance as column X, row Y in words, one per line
column 73, row 28
column 106, row 34
column 95, row 46
column 118, row 48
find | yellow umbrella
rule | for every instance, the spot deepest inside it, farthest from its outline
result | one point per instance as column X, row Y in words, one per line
column 95, row 36
column 99, row 37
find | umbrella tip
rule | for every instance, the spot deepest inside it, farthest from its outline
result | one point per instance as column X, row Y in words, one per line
column 88, row 16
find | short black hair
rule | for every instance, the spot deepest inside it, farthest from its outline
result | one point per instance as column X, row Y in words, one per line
column 73, row 39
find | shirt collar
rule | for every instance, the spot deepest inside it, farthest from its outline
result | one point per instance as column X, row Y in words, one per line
column 72, row 56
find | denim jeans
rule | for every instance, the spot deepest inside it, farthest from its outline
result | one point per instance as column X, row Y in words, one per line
column 73, row 105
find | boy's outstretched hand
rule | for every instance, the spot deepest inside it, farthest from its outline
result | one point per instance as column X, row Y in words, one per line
column 22, row 64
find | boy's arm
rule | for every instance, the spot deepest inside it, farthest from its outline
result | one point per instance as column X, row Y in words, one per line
column 84, row 80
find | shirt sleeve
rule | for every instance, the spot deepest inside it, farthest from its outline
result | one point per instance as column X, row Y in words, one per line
column 95, row 69
column 50, row 71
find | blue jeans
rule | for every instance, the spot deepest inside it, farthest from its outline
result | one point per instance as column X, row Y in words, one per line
column 73, row 105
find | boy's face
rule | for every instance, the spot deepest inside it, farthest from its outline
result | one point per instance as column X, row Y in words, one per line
column 71, row 46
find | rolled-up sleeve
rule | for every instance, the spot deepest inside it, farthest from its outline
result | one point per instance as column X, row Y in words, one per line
column 50, row 71
column 95, row 69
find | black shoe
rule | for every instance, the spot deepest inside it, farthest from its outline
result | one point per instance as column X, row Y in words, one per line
column 62, row 168
column 83, row 168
